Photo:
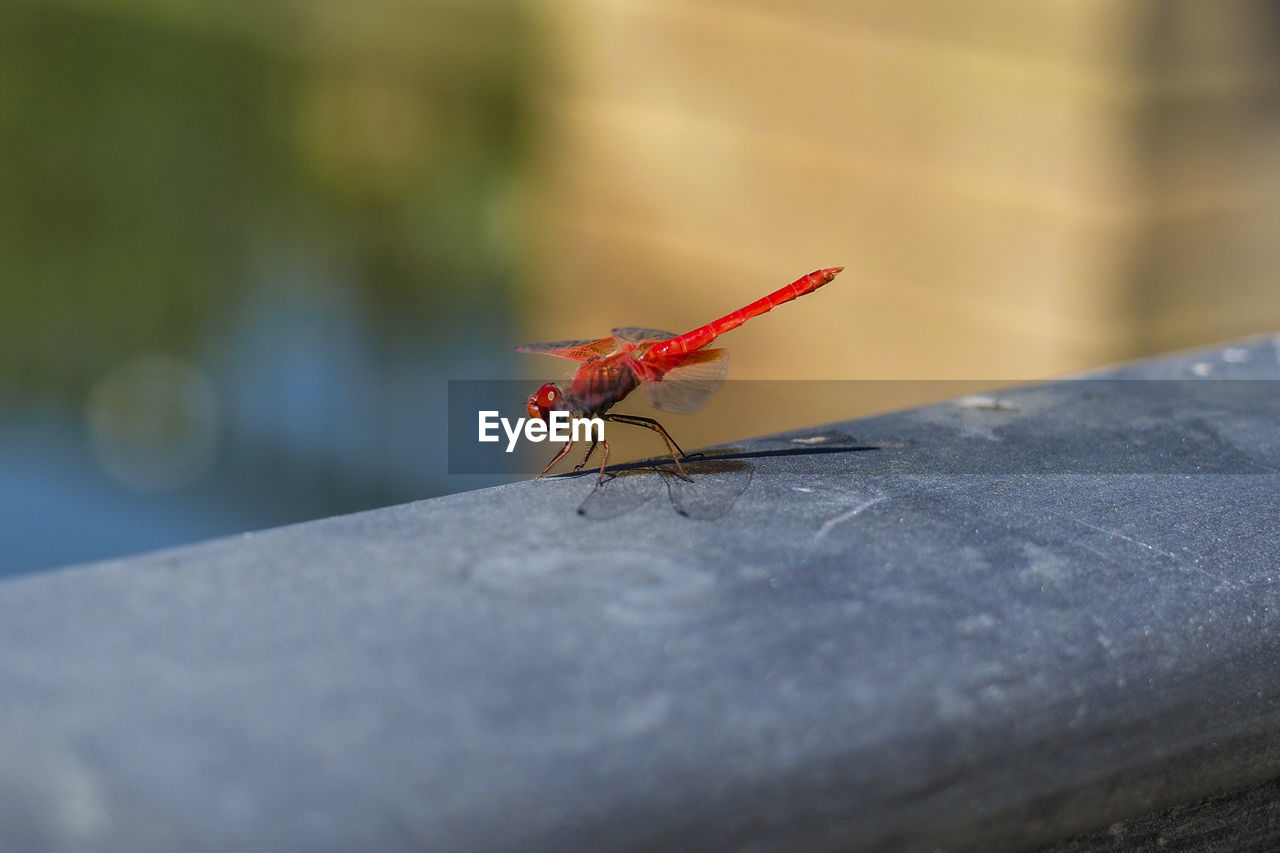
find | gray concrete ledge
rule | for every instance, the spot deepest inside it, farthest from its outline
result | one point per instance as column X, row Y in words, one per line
column 840, row 650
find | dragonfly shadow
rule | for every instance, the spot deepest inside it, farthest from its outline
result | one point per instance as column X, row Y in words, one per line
column 732, row 453
column 709, row 493
column 713, row 487
column 716, row 480
column 796, row 446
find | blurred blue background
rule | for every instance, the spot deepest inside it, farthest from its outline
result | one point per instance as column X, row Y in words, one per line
column 242, row 247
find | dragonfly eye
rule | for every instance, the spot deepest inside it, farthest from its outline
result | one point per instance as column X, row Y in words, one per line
column 544, row 401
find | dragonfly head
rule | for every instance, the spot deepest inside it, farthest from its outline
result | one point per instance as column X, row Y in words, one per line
column 547, row 399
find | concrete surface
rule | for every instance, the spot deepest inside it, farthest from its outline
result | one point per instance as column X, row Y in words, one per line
column 990, row 623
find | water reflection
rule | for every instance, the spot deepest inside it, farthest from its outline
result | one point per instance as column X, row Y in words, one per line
column 154, row 423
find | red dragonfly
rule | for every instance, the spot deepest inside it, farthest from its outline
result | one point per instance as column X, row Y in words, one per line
column 678, row 372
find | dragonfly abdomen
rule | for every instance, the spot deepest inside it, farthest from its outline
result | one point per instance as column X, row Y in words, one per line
column 703, row 335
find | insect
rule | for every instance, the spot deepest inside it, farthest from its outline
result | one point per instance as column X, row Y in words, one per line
column 678, row 372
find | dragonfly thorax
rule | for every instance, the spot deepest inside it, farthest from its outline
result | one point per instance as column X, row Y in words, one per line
column 594, row 389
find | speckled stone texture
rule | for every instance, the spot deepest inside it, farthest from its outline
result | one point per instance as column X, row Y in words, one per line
column 992, row 623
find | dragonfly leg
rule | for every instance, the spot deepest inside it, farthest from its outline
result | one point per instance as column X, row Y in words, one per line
column 650, row 423
column 564, row 451
column 604, row 463
column 587, row 458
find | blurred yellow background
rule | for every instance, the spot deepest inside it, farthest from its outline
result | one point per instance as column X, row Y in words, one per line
column 243, row 247
column 1017, row 190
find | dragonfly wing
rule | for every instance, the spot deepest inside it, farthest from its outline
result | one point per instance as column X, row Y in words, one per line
column 684, row 382
column 640, row 335
column 576, row 350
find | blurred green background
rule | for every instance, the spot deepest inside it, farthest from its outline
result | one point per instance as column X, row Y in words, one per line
column 243, row 246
